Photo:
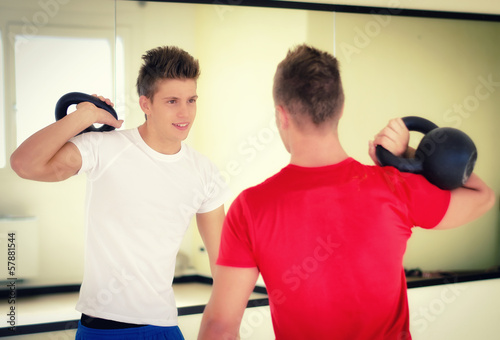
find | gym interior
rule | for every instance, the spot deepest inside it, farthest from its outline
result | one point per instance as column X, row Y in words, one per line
column 437, row 60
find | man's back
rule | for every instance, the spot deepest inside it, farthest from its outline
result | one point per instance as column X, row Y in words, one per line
column 329, row 243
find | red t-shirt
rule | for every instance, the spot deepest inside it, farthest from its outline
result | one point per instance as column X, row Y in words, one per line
column 329, row 243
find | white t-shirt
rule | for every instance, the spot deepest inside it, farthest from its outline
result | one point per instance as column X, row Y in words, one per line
column 139, row 205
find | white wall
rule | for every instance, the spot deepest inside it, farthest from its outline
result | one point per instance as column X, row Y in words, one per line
column 467, row 310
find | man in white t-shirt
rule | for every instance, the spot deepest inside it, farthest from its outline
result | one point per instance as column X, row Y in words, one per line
column 143, row 187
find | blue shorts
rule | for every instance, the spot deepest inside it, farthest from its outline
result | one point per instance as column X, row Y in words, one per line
column 136, row 333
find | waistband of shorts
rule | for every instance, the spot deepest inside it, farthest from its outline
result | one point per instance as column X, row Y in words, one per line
column 98, row 323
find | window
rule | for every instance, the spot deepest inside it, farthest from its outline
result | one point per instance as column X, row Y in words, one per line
column 47, row 67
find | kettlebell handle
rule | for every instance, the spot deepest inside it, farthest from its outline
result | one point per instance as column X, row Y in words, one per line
column 77, row 97
column 413, row 123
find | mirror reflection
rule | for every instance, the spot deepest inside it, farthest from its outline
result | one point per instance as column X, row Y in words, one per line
column 445, row 70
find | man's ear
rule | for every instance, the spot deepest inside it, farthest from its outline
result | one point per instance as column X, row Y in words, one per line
column 145, row 103
column 282, row 117
column 341, row 112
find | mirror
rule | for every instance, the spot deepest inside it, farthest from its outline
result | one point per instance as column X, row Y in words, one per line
column 445, row 70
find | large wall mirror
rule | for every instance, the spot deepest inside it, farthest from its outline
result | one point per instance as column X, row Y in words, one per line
column 446, row 70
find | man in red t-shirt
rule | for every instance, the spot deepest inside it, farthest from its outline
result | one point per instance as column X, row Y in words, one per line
column 327, row 233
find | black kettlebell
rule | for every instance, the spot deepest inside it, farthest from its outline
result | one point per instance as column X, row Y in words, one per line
column 445, row 156
column 77, row 97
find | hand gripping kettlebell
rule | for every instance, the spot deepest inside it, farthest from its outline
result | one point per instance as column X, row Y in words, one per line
column 445, row 156
column 77, row 97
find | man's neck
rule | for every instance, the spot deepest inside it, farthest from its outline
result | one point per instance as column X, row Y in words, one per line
column 316, row 150
column 155, row 142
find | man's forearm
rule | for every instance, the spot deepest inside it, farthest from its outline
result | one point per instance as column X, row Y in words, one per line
column 212, row 330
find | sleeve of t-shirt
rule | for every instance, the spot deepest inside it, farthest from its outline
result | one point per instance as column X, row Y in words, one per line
column 87, row 144
column 236, row 246
column 216, row 189
column 427, row 204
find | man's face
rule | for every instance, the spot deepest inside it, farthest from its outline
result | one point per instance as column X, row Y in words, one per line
column 172, row 111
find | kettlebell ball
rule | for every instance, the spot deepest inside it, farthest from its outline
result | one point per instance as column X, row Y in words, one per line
column 445, row 156
column 77, row 97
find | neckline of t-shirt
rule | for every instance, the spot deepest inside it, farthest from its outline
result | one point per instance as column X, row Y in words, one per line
column 329, row 167
column 158, row 155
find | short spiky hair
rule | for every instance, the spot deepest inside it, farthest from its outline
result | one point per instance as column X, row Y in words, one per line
column 166, row 62
column 307, row 82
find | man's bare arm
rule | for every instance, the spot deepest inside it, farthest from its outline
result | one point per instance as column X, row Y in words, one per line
column 47, row 156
